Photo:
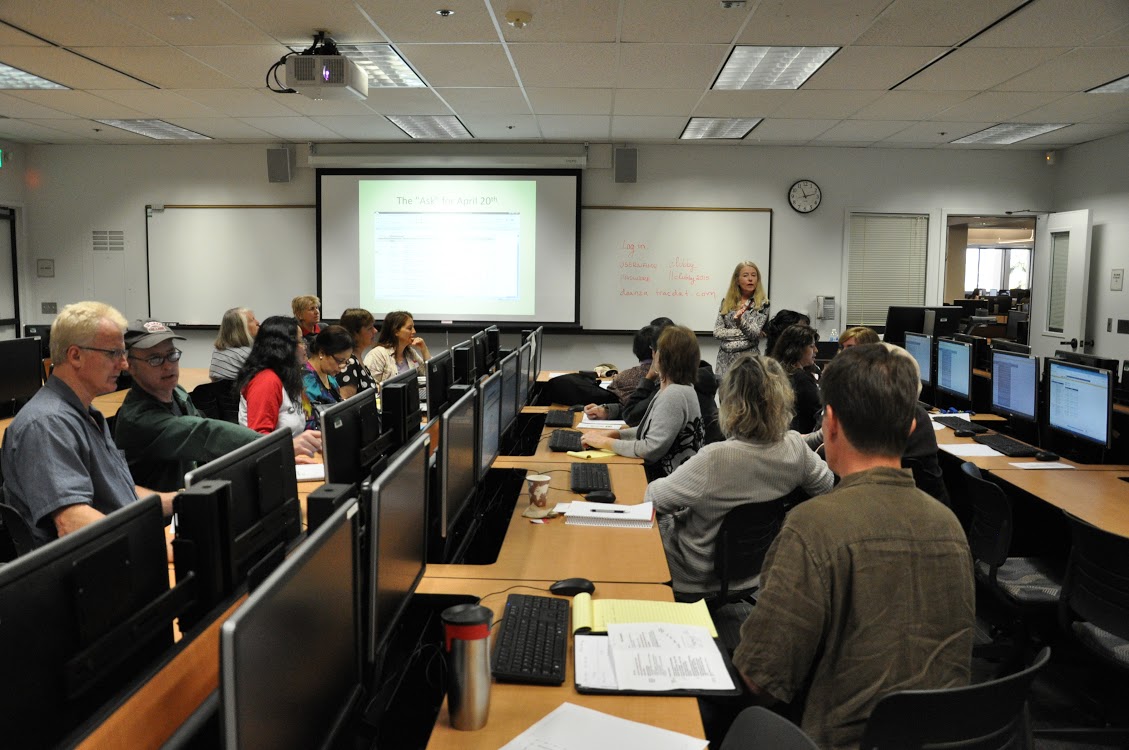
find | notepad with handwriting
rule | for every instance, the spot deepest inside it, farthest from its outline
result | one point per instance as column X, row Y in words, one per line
column 582, row 513
column 594, row 615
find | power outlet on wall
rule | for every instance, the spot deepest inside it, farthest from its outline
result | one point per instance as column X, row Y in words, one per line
column 49, row 308
column 1123, row 326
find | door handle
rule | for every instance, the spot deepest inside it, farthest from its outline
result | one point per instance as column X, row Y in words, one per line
column 1073, row 344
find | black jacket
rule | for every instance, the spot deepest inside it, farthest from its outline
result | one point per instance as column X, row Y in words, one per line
column 706, row 388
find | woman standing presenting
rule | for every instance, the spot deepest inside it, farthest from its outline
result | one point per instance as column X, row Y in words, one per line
column 741, row 320
column 398, row 349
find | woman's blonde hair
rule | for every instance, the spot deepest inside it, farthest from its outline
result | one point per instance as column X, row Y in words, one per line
column 733, row 296
column 756, row 400
column 860, row 335
column 77, row 324
column 304, row 302
column 233, row 330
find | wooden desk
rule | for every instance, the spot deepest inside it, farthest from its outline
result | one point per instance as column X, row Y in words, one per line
column 190, row 377
column 513, row 708
column 554, row 550
column 1100, row 498
column 945, row 436
column 545, row 456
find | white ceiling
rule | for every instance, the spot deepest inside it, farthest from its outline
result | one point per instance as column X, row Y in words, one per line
column 910, row 74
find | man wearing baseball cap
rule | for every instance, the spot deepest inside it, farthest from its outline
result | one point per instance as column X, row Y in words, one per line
column 161, row 431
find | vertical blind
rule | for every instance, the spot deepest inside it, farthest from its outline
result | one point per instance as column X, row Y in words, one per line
column 886, row 265
column 1060, row 260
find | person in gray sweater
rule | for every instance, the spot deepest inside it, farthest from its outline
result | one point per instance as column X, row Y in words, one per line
column 671, row 431
column 760, row 460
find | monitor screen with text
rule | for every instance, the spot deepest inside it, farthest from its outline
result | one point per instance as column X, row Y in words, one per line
column 1079, row 401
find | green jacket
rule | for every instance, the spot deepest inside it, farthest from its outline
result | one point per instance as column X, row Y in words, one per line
column 162, row 445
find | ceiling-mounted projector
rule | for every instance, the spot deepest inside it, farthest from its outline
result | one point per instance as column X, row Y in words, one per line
column 326, row 77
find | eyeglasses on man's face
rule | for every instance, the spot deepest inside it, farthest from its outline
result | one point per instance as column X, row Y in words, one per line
column 159, row 359
column 113, row 354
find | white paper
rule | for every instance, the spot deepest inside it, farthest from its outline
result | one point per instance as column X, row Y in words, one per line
column 969, row 450
column 601, row 424
column 572, row 727
column 937, row 426
column 1031, row 465
column 556, row 374
column 593, row 662
column 310, row 472
column 661, row 656
column 561, row 508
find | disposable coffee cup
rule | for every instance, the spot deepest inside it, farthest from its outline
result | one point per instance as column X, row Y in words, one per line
column 538, row 496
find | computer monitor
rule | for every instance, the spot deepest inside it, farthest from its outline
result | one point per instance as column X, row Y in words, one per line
column 900, row 319
column 493, row 346
column 954, row 369
column 509, row 405
column 81, row 619
column 489, row 422
column 353, row 439
column 397, row 541
column 399, row 407
column 1014, row 318
column 1089, row 360
column 440, row 377
column 1080, row 401
column 941, row 321
column 1010, row 346
column 42, row 331
column 537, row 337
column 458, row 428
column 525, row 374
column 1001, row 304
column 1015, row 386
column 968, row 307
column 980, row 348
column 481, row 358
column 237, row 527
column 290, row 657
column 21, row 374
column 920, row 345
column 462, row 357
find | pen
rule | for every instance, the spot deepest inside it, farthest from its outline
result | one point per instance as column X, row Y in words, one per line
column 608, row 510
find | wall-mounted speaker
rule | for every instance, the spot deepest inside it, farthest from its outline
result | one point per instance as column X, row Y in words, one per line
column 626, row 164
column 280, row 163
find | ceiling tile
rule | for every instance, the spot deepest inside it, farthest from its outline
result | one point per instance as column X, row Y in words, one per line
column 628, row 127
column 679, row 21
column 413, row 22
column 931, row 132
column 294, row 23
column 292, row 128
column 1079, row 69
column 240, row 102
column 485, row 101
column 188, row 22
column 644, row 102
column 460, row 64
column 95, row 131
column 75, row 23
column 26, row 132
column 565, row 65
column 1074, row 134
column 575, row 127
column 561, row 20
column 975, row 69
column 166, row 67
column 221, row 128
column 406, row 102
column 91, row 104
column 871, row 67
column 910, row 105
column 67, row 68
column 1077, row 108
column 863, row 130
column 742, row 103
column 367, row 128
column 315, row 108
column 16, row 104
column 800, row 131
column 825, row 105
column 647, row 66
column 995, row 105
column 928, row 22
column 247, row 65
column 571, row 101
column 13, row 37
column 1058, row 23
column 511, row 127
column 1116, row 38
column 810, row 22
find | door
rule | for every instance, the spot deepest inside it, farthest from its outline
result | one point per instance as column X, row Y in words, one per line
column 1061, row 283
column 9, row 288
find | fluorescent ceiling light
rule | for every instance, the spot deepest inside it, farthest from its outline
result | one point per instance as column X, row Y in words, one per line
column 159, row 129
column 735, row 128
column 1008, row 132
column 1120, row 86
column 752, row 68
column 14, row 78
column 430, row 126
column 385, row 68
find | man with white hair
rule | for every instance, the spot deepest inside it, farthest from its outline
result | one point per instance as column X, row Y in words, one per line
column 61, row 467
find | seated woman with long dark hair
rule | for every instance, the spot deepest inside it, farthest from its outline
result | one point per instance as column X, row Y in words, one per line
column 355, row 377
column 270, row 382
column 795, row 351
column 331, row 351
column 671, row 431
column 760, row 460
column 397, row 349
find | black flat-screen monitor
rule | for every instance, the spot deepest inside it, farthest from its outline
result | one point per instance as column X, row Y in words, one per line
column 440, row 378
column 41, row 331
column 481, row 358
column 1010, row 346
column 399, row 407
column 21, row 374
column 920, row 346
column 968, row 307
column 458, row 427
column 1015, row 386
column 954, row 368
column 900, row 319
column 462, row 358
column 1001, row 304
column 1014, row 318
column 1080, row 401
column 290, row 656
column 980, row 349
column 525, row 374
column 509, row 405
column 941, row 321
column 352, row 438
column 397, row 540
column 82, row 618
column 493, row 346
column 1089, row 360
column 229, row 533
column 489, row 422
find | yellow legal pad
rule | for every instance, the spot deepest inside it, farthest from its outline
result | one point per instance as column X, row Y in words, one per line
column 594, row 615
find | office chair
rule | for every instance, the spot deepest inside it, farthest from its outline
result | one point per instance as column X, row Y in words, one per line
column 1025, row 586
column 745, row 535
column 987, row 716
column 926, row 481
column 757, row 728
column 217, row 400
column 17, row 529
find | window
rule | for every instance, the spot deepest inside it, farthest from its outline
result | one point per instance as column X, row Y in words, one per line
column 886, row 265
column 997, row 268
column 1056, row 300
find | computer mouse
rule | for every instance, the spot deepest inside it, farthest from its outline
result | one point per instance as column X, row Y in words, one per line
column 600, row 496
column 1046, row 456
column 576, row 407
column 572, row 587
column 963, row 433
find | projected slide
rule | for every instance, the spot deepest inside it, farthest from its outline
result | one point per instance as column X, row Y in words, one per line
column 450, row 247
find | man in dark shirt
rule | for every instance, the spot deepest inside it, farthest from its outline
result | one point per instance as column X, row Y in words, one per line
column 867, row 589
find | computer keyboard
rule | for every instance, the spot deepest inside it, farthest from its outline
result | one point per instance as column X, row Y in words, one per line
column 1005, row 445
column 558, row 418
column 957, row 423
column 565, row 440
column 584, row 478
column 532, row 640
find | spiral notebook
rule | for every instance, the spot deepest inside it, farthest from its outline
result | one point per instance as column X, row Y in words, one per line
column 581, row 513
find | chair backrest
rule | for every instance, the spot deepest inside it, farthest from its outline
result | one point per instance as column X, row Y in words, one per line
column 217, row 400
column 18, row 530
column 926, row 481
column 989, row 533
column 745, row 535
column 757, row 728
column 986, row 716
column 1096, row 586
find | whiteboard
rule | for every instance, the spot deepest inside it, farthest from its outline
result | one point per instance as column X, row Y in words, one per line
column 204, row 260
column 637, row 264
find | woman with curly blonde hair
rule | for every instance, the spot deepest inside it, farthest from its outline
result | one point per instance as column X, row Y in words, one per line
column 740, row 321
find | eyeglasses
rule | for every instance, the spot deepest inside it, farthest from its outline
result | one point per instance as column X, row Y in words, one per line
column 114, row 354
column 159, row 359
column 339, row 361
